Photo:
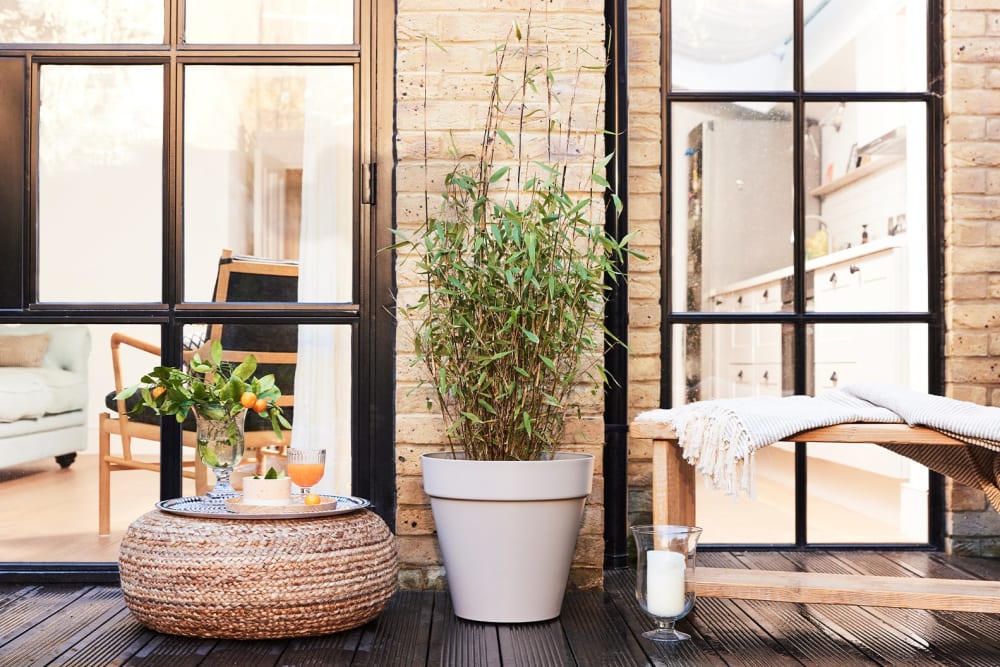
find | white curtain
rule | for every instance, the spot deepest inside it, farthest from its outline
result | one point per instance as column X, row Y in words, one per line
column 323, row 371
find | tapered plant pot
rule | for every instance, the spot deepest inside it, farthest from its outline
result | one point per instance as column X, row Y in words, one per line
column 507, row 531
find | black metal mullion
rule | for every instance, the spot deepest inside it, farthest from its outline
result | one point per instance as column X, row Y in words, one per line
column 801, row 495
column 171, row 345
column 666, row 178
column 935, row 245
column 615, row 458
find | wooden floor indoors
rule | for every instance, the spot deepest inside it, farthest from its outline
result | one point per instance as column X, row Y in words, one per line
column 89, row 626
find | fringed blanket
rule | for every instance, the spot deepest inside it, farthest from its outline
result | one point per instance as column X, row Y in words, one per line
column 719, row 437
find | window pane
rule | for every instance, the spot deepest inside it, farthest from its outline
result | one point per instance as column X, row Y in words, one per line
column 311, row 365
column 863, row 493
column 851, row 45
column 318, row 394
column 732, row 46
column 269, row 22
column 887, row 353
column 732, row 165
column 81, row 21
column 269, row 171
column 729, row 361
column 100, row 175
column 884, row 494
column 63, row 521
column 866, row 227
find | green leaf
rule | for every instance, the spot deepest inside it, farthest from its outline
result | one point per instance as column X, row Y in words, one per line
column 498, row 174
column 208, row 456
column 472, row 417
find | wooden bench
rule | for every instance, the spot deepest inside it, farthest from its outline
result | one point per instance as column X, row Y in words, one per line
column 674, row 503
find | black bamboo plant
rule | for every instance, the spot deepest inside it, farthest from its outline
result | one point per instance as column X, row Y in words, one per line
column 513, row 262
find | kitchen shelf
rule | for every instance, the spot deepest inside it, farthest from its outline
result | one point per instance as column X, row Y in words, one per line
column 865, row 170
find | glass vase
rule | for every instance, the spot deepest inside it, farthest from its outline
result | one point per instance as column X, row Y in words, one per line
column 663, row 577
column 221, row 442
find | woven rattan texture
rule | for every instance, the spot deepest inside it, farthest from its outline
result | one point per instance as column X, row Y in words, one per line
column 241, row 579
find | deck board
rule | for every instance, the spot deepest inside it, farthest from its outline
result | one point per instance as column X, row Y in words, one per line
column 88, row 625
column 796, row 627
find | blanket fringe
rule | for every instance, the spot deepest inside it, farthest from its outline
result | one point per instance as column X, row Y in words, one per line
column 717, row 443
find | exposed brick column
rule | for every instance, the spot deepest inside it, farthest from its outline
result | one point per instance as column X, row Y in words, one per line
column 646, row 218
column 972, row 241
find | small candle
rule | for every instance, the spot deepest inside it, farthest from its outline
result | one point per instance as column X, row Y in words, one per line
column 665, row 583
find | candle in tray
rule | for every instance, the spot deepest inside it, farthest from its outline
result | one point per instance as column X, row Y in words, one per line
column 665, row 583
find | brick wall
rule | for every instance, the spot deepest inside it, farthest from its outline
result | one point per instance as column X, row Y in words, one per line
column 645, row 217
column 972, row 241
column 441, row 97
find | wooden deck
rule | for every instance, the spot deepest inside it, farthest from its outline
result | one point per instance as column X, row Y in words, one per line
column 90, row 626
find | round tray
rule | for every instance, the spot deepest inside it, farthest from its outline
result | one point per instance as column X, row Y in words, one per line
column 296, row 505
column 198, row 506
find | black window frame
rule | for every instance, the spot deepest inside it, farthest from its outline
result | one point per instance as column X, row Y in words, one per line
column 370, row 313
column 800, row 320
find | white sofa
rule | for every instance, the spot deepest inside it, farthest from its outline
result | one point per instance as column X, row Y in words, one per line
column 43, row 408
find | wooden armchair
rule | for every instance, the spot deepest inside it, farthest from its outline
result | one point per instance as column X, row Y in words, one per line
column 240, row 279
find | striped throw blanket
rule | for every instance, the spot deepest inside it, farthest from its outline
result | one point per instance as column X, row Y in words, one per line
column 719, row 437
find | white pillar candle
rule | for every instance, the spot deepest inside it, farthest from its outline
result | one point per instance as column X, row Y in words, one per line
column 665, row 583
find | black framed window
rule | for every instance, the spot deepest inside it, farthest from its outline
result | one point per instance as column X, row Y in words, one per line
column 145, row 140
column 802, row 246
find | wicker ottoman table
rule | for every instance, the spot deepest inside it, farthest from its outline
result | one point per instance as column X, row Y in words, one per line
column 257, row 579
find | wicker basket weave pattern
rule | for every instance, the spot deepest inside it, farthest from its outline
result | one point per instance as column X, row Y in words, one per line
column 239, row 579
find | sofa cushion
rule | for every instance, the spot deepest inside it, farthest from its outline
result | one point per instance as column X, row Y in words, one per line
column 30, row 393
column 23, row 351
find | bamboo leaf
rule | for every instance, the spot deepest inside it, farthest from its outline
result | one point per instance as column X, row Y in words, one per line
column 499, row 173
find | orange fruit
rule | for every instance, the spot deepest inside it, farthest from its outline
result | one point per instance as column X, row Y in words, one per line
column 312, row 499
column 259, row 405
column 158, row 391
column 248, row 399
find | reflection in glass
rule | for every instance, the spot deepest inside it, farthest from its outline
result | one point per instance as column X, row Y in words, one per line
column 866, row 180
column 851, row 45
column 732, row 360
column 63, row 521
column 728, row 361
column 732, row 46
column 877, row 352
column 100, row 166
column 81, row 21
column 862, row 493
column 847, row 45
column 269, row 172
column 732, row 165
column 312, row 367
column 269, row 22
column 884, row 494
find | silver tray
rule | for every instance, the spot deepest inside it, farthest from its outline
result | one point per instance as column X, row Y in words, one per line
column 199, row 507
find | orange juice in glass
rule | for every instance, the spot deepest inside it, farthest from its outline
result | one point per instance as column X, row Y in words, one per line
column 306, row 467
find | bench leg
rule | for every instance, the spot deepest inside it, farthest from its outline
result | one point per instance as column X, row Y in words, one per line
column 673, row 485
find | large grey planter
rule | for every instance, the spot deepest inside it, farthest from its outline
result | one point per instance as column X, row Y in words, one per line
column 507, row 531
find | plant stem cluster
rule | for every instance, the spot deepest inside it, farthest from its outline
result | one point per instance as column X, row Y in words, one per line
column 514, row 264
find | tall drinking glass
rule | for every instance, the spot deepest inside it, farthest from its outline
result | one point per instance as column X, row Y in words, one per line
column 663, row 577
column 306, row 467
